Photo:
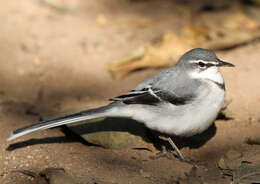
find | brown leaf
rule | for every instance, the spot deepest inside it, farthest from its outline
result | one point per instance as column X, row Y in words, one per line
column 214, row 31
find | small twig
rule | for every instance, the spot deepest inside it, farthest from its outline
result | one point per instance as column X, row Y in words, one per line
column 26, row 172
column 247, row 175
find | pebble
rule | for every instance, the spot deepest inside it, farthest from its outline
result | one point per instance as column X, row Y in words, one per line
column 233, row 154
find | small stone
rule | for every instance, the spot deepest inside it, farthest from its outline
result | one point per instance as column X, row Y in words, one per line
column 233, row 154
column 29, row 157
column 57, row 176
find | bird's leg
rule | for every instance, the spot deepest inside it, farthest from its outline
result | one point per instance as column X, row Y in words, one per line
column 179, row 154
column 164, row 152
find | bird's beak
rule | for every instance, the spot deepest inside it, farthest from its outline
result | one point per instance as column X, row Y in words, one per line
column 224, row 63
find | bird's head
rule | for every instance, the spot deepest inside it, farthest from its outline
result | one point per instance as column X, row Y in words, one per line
column 202, row 64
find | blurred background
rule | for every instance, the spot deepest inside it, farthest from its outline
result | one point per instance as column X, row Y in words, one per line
column 63, row 56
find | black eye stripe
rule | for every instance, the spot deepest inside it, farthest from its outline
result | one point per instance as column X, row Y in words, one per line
column 202, row 64
column 209, row 64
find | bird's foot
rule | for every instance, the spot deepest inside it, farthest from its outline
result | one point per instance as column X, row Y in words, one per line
column 185, row 159
column 169, row 154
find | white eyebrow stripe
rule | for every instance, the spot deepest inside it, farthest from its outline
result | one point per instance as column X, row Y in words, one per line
column 206, row 62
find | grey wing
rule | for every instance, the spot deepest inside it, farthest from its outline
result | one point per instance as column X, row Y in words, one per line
column 169, row 85
column 151, row 96
column 172, row 80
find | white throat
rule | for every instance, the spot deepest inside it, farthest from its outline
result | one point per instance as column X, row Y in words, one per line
column 211, row 73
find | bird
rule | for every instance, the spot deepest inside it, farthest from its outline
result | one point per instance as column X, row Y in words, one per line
column 182, row 100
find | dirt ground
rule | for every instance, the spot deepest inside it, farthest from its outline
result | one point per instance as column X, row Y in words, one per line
column 61, row 55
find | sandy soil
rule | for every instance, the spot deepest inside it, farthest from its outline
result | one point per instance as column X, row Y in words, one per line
column 61, row 56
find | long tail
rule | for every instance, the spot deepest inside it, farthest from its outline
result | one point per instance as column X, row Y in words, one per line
column 80, row 116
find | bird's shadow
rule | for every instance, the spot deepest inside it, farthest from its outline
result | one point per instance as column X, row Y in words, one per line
column 118, row 125
column 191, row 142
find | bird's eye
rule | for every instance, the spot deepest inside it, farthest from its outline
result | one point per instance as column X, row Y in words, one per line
column 201, row 64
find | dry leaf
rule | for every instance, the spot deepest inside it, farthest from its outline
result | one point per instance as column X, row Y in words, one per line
column 213, row 32
column 230, row 161
column 150, row 56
